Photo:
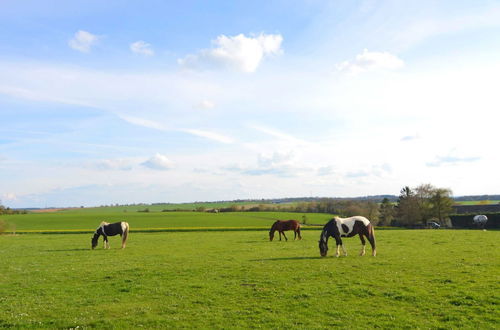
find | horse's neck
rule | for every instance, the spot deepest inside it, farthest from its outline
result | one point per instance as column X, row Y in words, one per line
column 324, row 235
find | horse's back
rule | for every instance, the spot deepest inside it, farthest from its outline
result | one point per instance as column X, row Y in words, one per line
column 287, row 224
column 293, row 224
column 355, row 218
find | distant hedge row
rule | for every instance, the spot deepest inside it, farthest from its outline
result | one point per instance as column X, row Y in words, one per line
column 466, row 220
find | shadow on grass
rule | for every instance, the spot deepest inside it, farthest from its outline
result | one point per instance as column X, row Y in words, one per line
column 289, row 258
column 69, row 250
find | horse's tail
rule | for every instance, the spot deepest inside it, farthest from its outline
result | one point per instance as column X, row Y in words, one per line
column 371, row 238
column 125, row 228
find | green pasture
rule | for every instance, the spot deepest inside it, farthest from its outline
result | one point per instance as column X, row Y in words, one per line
column 483, row 202
column 90, row 220
column 441, row 279
column 159, row 207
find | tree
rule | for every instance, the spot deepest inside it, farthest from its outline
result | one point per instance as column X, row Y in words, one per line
column 386, row 211
column 408, row 208
column 424, row 193
column 441, row 203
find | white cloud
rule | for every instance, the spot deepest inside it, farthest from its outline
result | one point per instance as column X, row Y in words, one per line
column 143, row 122
column 205, row 104
column 277, row 164
column 113, row 164
column 370, row 61
column 9, row 196
column 280, row 135
column 421, row 29
column 159, row 162
column 451, row 160
column 83, row 41
column 410, row 137
column 276, row 159
column 209, row 135
column 142, row 48
column 238, row 52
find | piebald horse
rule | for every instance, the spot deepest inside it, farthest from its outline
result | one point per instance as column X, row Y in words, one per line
column 347, row 227
column 282, row 225
column 111, row 229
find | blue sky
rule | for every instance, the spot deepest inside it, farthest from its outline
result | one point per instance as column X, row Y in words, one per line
column 168, row 101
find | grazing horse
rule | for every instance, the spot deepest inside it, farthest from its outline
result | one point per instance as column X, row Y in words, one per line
column 282, row 225
column 347, row 227
column 110, row 229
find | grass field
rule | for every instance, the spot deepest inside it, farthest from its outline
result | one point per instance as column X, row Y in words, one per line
column 90, row 219
column 420, row 279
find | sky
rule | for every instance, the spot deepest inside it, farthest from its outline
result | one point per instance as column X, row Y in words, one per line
column 105, row 102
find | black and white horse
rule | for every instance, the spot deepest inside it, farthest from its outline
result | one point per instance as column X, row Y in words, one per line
column 111, row 229
column 347, row 227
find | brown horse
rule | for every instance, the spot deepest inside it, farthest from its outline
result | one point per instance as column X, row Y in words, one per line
column 282, row 225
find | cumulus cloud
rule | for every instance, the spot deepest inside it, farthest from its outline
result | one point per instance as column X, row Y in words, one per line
column 370, row 61
column 159, row 162
column 83, row 41
column 240, row 53
column 142, row 48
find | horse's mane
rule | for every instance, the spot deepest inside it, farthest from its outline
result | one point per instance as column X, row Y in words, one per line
column 103, row 223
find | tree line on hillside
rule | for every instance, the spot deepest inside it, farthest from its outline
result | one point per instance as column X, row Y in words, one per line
column 8, row 210
column 414, row 207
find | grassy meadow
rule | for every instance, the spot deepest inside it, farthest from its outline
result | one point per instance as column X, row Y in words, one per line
column 238, row 279
column 89, row 219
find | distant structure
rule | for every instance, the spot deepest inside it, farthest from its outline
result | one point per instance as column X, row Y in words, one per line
column 480, row 220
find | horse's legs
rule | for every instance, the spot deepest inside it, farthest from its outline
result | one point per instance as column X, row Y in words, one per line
column 338, row 240
column 105, row 241
column 363, row 244
column 286, row 239
column 297, row 233
column 372, row 243
column 371, row 239
column 123, row 240
column 280, row 234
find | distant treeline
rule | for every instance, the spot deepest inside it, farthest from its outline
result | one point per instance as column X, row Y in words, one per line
column 8, row 210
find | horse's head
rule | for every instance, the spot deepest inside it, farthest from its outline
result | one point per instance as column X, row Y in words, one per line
column 271, row 232
column 323, row 243
column 323, row 247
column 94, row 240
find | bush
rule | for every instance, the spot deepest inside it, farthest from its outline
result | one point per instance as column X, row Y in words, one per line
column 3, row 226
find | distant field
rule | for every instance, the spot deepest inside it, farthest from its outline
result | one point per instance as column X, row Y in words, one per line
column 485, row 202
column 441, row 279
column 90, row 219
column 162, row 207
